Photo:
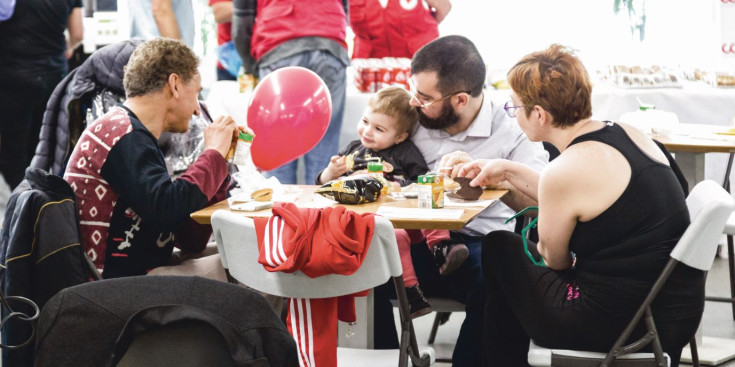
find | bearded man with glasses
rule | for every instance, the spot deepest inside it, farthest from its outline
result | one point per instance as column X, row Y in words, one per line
column 457, row 123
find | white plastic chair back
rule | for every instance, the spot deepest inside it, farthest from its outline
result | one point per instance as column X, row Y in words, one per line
column 709, row 208
column 238, row 249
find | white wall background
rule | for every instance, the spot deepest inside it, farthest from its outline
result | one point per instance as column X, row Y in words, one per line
column 678, row 32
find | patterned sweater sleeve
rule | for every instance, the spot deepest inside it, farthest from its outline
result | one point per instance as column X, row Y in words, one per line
column 192, row 236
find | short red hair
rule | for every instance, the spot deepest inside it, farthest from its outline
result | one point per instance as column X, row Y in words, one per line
column 555, row 80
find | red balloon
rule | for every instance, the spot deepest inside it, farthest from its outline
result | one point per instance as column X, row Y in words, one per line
column 289, row 112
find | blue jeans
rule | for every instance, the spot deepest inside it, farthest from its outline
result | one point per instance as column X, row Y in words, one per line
column 332, row 71
column 464, row 285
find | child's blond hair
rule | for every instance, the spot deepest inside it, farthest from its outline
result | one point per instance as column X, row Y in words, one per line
column 395, row 102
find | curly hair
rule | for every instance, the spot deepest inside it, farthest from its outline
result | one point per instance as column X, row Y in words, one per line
column 395, row 102
column 153, row 61
column 555, row 80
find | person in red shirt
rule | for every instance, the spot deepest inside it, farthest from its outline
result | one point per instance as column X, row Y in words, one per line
column 394, row 28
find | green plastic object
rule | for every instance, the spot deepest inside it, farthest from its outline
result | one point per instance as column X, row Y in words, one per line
column 539, row 262
column 245, row 136
column 375, row 166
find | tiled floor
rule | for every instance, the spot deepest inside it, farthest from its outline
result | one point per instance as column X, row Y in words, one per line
column 718, row 317
column 717, row 321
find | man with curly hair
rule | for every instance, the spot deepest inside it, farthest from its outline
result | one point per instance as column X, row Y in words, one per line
column 132, row 213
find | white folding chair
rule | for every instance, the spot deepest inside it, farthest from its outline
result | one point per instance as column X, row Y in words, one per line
column 709, row 208
column 238, row 249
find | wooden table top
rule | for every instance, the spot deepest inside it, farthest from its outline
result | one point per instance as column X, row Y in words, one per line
column 695, row 138
column 204, row 216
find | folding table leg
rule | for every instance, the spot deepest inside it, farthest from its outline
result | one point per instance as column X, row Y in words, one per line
column 731, row 264
column 730, row 252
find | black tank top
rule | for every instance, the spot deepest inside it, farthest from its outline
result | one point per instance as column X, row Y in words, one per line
column 622, row 251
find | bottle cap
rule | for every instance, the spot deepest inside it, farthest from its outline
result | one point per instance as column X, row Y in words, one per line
column 245, row 136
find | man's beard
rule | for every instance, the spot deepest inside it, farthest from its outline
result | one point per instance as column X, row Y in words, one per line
column 446, row 118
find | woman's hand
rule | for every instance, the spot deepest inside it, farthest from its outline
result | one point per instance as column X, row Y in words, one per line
column 484, row 172
column 451, row 163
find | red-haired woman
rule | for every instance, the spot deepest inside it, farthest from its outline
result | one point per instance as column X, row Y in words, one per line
column 610, row 212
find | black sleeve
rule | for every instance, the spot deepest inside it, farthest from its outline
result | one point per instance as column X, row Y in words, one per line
column 135, row 169
column 412, row 161
column 243, row 19
column 350, row 147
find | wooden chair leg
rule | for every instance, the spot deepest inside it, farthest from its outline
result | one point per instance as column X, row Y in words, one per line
column 435, row 327
column 695, row 354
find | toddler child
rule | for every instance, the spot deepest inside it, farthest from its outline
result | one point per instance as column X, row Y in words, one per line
column 383, row 133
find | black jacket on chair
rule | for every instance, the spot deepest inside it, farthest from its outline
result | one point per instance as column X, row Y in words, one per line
column 40, row 251
column 63, row 120
column 93, row 324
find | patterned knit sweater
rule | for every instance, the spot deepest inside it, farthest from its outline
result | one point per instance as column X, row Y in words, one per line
column 132, row 214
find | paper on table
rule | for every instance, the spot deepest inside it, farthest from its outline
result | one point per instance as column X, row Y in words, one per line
column 316, row 202
column 718, row 137
column 393, row 212
column 252, row 206
column 280, row 193
column 730, row 131
column 448, row 201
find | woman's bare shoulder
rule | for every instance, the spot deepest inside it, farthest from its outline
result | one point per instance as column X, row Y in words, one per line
column 587, row 168
column 645, row 143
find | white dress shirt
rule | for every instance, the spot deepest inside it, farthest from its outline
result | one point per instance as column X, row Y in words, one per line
column 492, row 135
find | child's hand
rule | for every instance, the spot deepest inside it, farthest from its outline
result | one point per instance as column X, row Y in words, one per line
column 336, row 168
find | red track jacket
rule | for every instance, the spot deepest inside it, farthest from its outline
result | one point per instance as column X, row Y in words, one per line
column 317, row 242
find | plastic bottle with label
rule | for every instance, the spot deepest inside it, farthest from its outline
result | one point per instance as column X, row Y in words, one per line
column 242, row 157
column 375, row 169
